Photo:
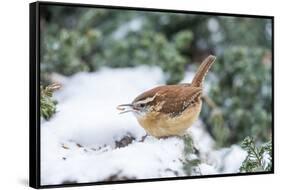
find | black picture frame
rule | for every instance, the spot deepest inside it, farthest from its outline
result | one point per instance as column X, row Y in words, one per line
column 34, row 93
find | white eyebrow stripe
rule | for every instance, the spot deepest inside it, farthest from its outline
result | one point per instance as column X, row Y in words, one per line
column 145, row 101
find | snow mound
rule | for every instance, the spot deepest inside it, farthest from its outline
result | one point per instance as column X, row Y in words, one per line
column 88, row 141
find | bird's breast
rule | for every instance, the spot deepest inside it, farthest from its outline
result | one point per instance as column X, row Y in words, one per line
column 160, row 124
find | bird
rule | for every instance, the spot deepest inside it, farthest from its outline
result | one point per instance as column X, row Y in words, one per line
column 169, row 110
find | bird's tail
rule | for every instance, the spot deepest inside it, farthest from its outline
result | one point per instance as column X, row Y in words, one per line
column 202, row 71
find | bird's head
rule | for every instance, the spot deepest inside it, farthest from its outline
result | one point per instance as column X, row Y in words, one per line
column 140, row 106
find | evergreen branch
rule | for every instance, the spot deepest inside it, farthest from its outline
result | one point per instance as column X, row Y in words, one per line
column 47, row 103
column 254, row 160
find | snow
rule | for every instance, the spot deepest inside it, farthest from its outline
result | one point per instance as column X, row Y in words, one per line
column 266, row 159
column 88, row 141
column 233, row 159
column 207, row 169
column 202, row 140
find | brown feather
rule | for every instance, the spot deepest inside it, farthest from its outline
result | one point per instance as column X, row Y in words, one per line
column 174, row 98
column 202, row 71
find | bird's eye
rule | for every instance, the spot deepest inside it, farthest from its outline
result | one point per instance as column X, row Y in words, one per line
column 142, row 105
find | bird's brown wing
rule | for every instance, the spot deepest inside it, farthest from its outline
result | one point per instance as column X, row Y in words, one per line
column 177, row 99
column 172, row 99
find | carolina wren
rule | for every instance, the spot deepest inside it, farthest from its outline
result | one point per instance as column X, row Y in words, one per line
column 170, row 109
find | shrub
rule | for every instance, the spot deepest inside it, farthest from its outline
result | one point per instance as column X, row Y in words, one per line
column 241, row 89
column 258, row 158
column 47, row 103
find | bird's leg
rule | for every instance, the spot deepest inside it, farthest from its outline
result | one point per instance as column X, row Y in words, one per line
column 143, row 138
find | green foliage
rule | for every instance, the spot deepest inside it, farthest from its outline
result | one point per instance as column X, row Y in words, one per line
column 233, row 35
column 183, row 40
column 220, row 132
column 101, row 38
column 191, row 161
column 242, row 91
column 146, row 48
column 258, row 158
column 47, row 103
column 68, row 51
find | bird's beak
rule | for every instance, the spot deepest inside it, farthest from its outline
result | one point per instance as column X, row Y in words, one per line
column 124, row 108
